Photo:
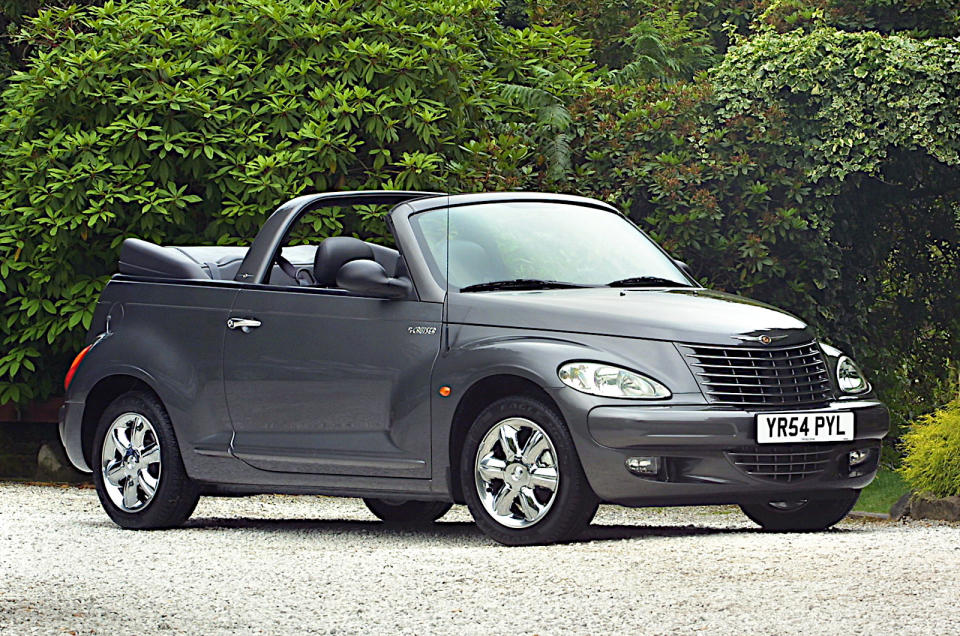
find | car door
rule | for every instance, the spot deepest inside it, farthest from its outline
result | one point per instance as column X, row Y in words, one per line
column 331, row 383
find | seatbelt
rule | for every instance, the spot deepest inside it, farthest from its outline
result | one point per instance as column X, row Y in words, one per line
column 302, row 277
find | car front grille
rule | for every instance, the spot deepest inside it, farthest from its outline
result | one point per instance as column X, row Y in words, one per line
column 783, row 463
column 768, row 376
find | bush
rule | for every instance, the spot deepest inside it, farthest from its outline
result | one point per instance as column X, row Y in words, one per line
column 613, row 25
column 919, row 18
column 189, row 125
column 932, row 453
column 609, row 23
column 13, row 14
column 816, row 169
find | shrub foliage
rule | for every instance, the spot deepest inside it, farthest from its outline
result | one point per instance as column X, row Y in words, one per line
column 932, row 460
column 184, row 125
column 815, row 165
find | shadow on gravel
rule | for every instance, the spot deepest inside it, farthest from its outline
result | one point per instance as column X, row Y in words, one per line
column 456, row 532
column 451, row 531
column 620, row 532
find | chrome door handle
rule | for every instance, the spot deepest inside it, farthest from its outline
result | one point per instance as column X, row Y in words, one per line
column 243, row 324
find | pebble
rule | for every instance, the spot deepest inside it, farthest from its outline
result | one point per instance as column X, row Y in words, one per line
column 282, row 564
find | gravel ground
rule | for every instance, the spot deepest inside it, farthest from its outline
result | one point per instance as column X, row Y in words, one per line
column 321, row 565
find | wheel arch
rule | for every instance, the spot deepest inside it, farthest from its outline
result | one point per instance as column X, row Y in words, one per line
column 105, row 391
column 481, row 394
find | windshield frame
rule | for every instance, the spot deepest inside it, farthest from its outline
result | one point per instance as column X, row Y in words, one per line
column 436, row 270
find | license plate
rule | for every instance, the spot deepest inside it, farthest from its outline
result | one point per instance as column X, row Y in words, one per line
column 775, row 428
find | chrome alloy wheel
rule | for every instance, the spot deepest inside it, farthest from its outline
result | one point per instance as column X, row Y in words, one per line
column 131, row 462
column 516, row 472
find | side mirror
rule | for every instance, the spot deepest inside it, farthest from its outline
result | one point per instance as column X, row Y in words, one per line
column 368, row 278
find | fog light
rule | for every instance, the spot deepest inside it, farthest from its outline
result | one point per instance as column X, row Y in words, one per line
column 857, row 457
column 646, row 466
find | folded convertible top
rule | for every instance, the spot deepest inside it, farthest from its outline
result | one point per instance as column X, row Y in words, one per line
column 203, row 262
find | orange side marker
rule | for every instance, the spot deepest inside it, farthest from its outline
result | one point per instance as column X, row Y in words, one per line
column 445, row 391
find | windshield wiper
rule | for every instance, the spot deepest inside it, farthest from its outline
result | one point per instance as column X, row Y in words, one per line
column 520, row 283
column 646, row 281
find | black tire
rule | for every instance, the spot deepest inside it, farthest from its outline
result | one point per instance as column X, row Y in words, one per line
column 574, row 504
column 803, row 516
column 176, row 495
column 408, row 513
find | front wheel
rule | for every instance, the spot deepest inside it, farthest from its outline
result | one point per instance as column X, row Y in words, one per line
column 521, row 476
column 407, row 513
column 137, row 468
column 802, row 515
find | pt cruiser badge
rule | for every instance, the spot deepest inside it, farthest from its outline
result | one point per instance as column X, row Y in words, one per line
column 533, row 391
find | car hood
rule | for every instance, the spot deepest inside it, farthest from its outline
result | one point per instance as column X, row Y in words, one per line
column 693, row 315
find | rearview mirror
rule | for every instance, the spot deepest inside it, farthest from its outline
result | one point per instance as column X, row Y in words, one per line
column 368, row 278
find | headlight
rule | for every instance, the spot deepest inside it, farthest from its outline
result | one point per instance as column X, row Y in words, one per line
column 610, row 381
column 850, row 378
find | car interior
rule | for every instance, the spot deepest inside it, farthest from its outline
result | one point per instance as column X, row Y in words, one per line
column 296, row 265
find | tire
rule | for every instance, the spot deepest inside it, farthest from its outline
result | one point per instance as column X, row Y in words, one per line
column 802, row 516
column 408, row 513
column 511, row 500
column 145, row 438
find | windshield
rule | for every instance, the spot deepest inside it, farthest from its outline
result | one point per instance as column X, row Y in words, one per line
column 553, row 244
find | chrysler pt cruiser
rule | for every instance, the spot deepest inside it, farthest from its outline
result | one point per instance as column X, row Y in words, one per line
column 528, row 355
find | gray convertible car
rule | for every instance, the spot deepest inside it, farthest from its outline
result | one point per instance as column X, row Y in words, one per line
column 529, row 355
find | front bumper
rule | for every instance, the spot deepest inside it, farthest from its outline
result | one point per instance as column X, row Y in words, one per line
column 698, row 448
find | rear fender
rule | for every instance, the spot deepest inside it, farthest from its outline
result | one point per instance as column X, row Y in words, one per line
column 175, row 350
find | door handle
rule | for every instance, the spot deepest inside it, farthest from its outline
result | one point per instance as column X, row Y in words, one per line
column 243, row 324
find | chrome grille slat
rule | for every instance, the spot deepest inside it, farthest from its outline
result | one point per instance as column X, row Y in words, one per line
column 752, row 376
column 730, row 366
column 796, row 384
column 757, row 392
column 784, row 463
column 756, row 358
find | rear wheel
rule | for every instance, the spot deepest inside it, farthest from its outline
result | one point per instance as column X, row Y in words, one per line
column 407, row 513
column 138, row 471
column 521, row 476
column 802, row 515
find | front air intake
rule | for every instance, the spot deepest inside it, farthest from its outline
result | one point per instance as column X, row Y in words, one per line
column 784, row 463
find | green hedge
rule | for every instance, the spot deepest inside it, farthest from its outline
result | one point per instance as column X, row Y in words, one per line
column 816, row 169
column 609, row 24
column 189, row 125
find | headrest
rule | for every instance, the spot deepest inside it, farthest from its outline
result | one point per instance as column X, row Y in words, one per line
column 333, row 253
